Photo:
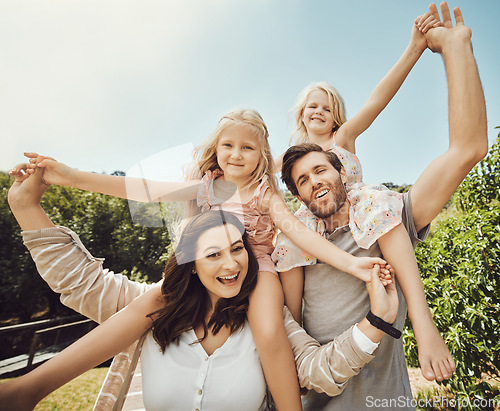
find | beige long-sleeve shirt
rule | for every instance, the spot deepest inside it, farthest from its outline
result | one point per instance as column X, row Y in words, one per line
column 70, row 270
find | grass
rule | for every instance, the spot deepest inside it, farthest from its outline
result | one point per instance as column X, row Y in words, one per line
column 77, row 395
column 80, row 394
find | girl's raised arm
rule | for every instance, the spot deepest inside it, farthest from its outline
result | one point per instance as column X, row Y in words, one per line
column 384, row 91
column 137, row 189
column 314, row 244
column 102, row 343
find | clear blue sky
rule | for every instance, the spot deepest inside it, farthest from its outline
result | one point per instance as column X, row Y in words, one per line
column 103, row 84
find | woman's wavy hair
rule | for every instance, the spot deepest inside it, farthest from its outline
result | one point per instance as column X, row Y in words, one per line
column 336, row 103
column 186, row 298
column 206, row 154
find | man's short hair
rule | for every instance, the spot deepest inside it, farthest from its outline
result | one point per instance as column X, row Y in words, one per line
column 295, row 153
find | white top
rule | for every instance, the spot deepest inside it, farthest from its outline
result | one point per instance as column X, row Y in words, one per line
column 186, row 378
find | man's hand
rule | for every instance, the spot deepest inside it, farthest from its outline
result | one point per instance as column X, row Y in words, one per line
column 383, row 300
column 439, row 38
column 362, row 268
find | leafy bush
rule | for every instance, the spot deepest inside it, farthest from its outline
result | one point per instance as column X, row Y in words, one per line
column 460, row 266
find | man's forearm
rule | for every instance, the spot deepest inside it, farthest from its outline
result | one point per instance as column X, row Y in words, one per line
column 324, row 368
column 467, row 110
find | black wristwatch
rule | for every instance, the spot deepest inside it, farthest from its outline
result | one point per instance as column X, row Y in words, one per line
column 377, row 322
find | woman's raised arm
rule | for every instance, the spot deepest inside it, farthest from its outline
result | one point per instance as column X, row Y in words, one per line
column 102, row 343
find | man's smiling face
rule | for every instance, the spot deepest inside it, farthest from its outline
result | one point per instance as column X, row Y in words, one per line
column 319, row 184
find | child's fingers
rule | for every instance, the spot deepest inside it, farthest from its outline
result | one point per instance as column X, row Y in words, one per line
column 427, row 23
column 387, row 269
column 30, row 154
column 420, row 19
column 431, row 25
column 385, row 279
column 36, row 158
column 42, row 161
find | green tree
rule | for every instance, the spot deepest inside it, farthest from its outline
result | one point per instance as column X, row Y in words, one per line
column 106, row 228
column 22, row 291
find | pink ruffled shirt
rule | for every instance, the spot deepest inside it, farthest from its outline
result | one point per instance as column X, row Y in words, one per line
column 259, row 226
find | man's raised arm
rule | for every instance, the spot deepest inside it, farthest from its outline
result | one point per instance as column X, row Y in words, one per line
column 468, row 139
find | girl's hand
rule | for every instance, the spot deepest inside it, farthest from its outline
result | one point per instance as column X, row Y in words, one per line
column 422, row 25
column 362, row 268
column 53, row 171
column 383, row 300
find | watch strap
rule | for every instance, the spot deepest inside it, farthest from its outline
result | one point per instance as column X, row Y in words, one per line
column 377, row 322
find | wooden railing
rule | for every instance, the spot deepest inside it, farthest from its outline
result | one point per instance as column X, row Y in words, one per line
column 43, row 328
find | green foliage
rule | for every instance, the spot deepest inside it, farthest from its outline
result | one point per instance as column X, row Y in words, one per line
column 399, row 188
column 291, row 201
column 22, row 291
column 482, row 185
column 460, row 266
column 106, row 228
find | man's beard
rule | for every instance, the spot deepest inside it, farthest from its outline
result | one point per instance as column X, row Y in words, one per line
column 325, row 211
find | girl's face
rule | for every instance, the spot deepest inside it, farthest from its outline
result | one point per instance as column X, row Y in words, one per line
column 317, row 116
column 238, row 152
column 221, row 261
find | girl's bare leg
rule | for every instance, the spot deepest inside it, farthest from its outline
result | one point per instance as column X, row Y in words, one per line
column 435, row 359
column 265, row 315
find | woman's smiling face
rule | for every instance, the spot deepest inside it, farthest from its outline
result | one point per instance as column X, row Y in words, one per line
column 221, row 261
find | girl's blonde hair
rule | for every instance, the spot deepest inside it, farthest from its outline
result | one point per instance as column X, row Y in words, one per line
column 336, row 103
column 206, row 155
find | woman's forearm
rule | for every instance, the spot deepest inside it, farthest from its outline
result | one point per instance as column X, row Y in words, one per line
column 30, row 216
column 100, row 344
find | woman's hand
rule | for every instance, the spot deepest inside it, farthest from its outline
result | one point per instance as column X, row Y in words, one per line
column 24, row 198
column 28, row 187
column 383, row 299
